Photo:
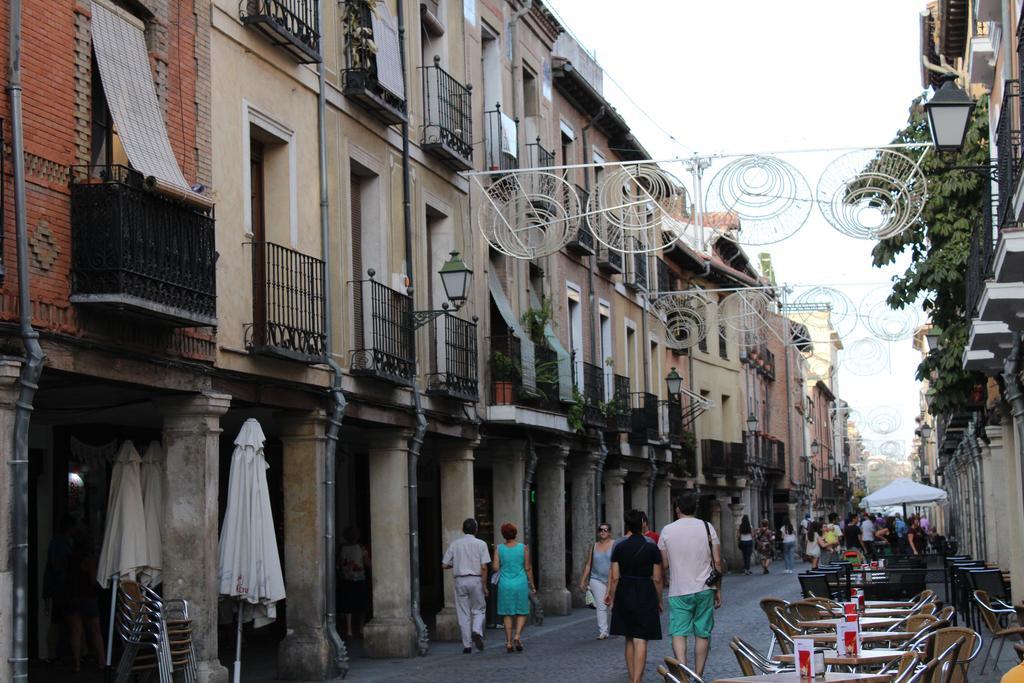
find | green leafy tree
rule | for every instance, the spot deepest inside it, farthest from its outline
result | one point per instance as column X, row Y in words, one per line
column 939, row 248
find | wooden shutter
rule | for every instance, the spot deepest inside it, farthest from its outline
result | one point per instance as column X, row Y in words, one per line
column 358, row 273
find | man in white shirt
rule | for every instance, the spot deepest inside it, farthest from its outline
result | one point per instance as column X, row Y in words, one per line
column 468, row 557
column 867, row 537
column 688, row 548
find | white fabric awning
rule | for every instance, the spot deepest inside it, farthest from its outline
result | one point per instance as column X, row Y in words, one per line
column 151, row 473
column 389, row 55
column 903, row 491
column 119, row 43
column 528, row 364
column 249, row 567
column 125, row 548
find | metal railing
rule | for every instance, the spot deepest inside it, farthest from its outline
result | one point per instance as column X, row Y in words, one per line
column 723, row 342
column 507, row 375
column 3, row 194
column 620, row 416
column 500, row 154
column 448, row 115
column 645, row 417
column 671, row 422
column 593, row 395
column 1008, row 151
column 537, row 156
column 663, row 275
column 288, row 304
column 360, row 76
column 134, row 248
column 637, row 276
column 290, row 24
column 385, row 349
column 981, row 256
column 583, row 242
column 712, row 456
column 453, row 358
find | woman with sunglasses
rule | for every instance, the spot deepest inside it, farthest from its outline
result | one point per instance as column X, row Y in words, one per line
column 599, row 563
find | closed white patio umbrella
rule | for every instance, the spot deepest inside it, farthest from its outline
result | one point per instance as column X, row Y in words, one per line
column 125, row 550
column 249, row 566
column 151, row 472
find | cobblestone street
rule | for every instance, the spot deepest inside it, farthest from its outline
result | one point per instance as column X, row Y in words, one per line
column 564, row 648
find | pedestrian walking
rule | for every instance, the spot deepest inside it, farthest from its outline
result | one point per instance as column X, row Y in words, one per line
column 805, row 523
column 689, row 551
column 84, row 612
column 595, row 576
column 830, row 534
column 515, row 584
column 764, row 539
column 746, row 542
column 884, row 537
column 915, row 537
column 634, row 594
column 468, row 558
column 814, row 543
column 788, row 534
column 867, row 537
column 901, row 536
column 353, row 587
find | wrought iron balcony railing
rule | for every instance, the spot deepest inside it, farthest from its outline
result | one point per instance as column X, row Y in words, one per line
column 981, row 256
column 829, row 490
column 684, row 461
column 507, row 376
column 619, row 415
column 141, row 252
column 537, row 156
column 609, row 261
column 369, row 63
column 713, row 458
column 593, row 395
column 448, row 118
column 1008, row 150
column 3, row 194
column 384, row 333
column 289, row 24
column 583, row 241
column 645, row 417
column 453, row 359
column 637, row 276
column 736, row 459
column 288, row 304
column 671, row 414
column 500, row 141
column 664, row 276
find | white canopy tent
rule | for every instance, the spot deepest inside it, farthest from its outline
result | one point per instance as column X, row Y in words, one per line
column 903, row 492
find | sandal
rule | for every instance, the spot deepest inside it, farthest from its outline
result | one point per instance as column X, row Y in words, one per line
column 508, row 648
column 518, row 644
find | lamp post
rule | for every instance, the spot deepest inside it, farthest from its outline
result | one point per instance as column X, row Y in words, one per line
column 674, row 382
column 925, row 432
column 949, row 114
column 455, row 278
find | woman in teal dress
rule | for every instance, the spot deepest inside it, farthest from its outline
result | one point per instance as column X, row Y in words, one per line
column 515, row 583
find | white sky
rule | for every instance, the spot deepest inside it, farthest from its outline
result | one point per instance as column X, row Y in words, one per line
column 741, row 76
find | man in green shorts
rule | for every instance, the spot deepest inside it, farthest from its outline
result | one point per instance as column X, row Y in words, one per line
column 688, row 548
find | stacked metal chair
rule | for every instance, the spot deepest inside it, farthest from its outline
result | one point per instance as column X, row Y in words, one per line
column 156, row 634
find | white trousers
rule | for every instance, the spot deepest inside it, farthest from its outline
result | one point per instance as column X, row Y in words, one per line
column 600, row 589
column 470, row 607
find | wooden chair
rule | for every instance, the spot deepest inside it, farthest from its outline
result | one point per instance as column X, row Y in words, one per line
column 990, row 616
column 944, row 637
column 945, row 662
column 667, row 676
column 682, row 672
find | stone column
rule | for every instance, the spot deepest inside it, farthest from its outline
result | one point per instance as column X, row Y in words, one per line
column 9, row 390
column 993, row 469
column 191, row 483
column 613, row 500
column 663, row 512
column 507, row 472
column 305, row 653
column 391, row 632
column 550, row 534
column 584, row 518
column 1013, row 504
column 456, row 507
column 638, row 491
column 730, row 536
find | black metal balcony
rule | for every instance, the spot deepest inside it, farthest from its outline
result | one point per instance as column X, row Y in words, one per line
column 288, row 304
column 1008, row 150
column 583, row 241
column 664, row 276
column 618, row 413
column 736, row 459
column 713, row 458
column 645, row 417
column 637, row 276
column 3, row 194
column 288, row 24
column 829, row 490
column 507, row 376
column 684, row 461
column 501, row 150
column 609, row 261
column 140, row 252
column 361, row 77
column 671, row 414
column 593, row 395
column 448, row 117
column 453, row 359
column 537, row 156
column 384, row 333
column 981, row 257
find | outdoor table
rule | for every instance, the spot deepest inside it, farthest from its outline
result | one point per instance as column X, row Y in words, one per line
column 794, row 677
column 887, row 604
column 865, row 658
column 898, row 613
column 866, row 623
column 867, row 638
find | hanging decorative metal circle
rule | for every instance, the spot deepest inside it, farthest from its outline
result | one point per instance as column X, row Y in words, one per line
column 529, row 214
column 866, row 356
column 685, row 316
column 884, row 420
column 745, row 311
column 893, row 448
column 886, row 323
column 872, row 194
column 842, row 312
column 638, row 208
column 770, row 196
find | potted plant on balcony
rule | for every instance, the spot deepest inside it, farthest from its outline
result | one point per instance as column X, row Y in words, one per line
column 504, row 372
column 575, row 414
column 358, row 35
column 536, row 320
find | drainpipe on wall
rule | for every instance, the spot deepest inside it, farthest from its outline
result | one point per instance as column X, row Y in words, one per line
column 31, row 369
column 602, row 448
column 531, row 467
column 416, row 441
column 337, row 398
column 979, row 489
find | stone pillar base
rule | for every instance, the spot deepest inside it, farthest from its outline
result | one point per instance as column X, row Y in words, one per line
column 389, row 638
column 557, row 601
column 212, row 672
column 448, row 625
column 304, row 657
column 578, row 597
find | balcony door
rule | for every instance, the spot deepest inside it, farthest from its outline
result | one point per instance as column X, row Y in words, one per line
column 257, row 199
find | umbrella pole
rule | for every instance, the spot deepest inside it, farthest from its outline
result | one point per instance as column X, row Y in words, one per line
column 904, row 512
column 114, row 586
column 238, row 647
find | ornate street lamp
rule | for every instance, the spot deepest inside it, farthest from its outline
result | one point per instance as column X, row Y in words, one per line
column 815, row 448
column 674, row 381
column 949, row 115
column 455, row 278
column 751, row 423
column 926, row 432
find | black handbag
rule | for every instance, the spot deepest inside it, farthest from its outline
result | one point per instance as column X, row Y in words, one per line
column 715, row 576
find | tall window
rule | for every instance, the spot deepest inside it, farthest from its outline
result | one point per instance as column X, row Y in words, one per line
column 106, row 146
column 575, row 311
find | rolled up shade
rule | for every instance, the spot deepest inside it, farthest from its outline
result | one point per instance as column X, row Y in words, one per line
column 527, row 354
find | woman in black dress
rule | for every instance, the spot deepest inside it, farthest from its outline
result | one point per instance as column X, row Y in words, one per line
column 634, row 594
